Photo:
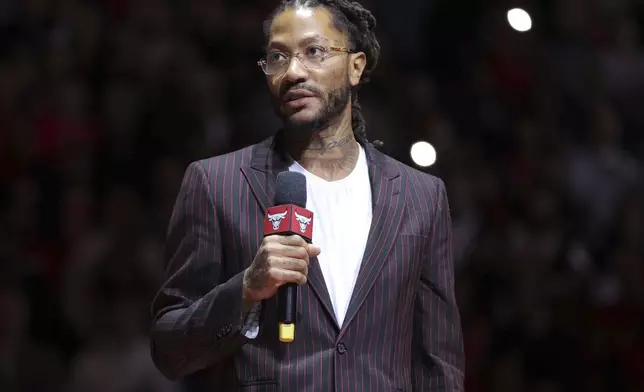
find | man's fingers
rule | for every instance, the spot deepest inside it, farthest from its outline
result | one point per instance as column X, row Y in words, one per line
column 293, row 240
column 291, row 264
column 282, row 276
column 298, row 252
column 314, row 250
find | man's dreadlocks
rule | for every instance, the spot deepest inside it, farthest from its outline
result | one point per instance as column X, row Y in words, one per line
column 358, row 24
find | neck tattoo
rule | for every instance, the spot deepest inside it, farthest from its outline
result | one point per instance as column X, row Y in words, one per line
column 322, row 147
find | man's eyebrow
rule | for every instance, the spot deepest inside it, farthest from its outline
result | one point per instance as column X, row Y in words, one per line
column 276, row 45
column 314, row 39
column 317, row 38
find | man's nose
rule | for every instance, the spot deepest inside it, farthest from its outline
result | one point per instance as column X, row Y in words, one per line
column 296, row 71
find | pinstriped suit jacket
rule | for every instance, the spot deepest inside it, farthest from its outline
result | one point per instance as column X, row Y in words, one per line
column 402, row 330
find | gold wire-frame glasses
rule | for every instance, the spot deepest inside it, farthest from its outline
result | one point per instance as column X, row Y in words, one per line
column 311, row 62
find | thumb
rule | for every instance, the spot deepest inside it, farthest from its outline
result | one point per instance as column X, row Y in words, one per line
column 314, row 250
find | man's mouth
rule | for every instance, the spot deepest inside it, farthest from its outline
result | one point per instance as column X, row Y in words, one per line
column 296, row 95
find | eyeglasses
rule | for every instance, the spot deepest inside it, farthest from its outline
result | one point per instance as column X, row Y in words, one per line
column 313, row 57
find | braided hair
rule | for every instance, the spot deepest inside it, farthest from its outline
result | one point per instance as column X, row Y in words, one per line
column 358, row 24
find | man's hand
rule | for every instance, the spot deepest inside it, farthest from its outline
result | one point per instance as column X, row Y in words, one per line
column 279, row 260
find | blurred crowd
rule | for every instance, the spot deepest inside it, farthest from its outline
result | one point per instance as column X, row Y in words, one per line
column 538, row 135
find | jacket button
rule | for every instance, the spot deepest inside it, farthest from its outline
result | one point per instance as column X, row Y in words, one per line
column 342, row 348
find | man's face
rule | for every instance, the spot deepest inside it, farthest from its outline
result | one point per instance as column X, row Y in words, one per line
column 304, row 97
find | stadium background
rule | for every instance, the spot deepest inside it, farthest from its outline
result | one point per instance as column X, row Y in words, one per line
column 538, row 137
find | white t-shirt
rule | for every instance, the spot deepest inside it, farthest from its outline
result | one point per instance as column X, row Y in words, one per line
column 342, row 218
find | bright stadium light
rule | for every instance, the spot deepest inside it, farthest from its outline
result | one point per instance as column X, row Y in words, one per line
column 423, row 154
column 519, row 20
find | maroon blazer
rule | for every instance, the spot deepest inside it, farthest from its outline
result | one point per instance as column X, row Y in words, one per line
column 402, row 330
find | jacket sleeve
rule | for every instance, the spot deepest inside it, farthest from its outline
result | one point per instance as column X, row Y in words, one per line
column 439, row 359
column 197, row 317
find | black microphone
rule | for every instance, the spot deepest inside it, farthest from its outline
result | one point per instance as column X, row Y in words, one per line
column 289, row 216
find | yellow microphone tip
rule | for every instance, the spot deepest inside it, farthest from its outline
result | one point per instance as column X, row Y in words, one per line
column 287, row 332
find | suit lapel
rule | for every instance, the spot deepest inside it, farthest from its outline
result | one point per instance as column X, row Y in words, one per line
column 267, row 161
column 318, row 286
column 388, row 209
column 262, row 172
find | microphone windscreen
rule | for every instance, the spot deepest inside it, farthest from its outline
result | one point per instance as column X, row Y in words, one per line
column 290, row 188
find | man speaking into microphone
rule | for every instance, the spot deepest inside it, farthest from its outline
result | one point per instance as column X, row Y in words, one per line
column 366, row 301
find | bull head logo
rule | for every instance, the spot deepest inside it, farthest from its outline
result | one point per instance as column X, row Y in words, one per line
column 276, row 219
column 304, row 221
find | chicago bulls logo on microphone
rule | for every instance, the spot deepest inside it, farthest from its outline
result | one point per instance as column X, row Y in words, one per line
column 303, row 221
column 276, row 219
column 289, row 219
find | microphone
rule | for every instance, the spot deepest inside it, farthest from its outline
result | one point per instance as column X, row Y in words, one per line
column 289, row 216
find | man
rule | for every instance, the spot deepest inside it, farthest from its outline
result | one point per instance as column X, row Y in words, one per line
column 376, row 309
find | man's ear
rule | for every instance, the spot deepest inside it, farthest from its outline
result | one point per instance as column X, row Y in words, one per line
column 357, row 63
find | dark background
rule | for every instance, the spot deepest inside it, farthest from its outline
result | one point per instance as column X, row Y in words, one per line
column 539, row 137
